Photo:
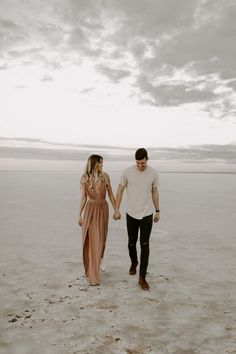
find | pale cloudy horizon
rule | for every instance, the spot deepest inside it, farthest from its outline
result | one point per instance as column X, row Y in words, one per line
column 119, row 73
column 38, row 155
column 27, row 149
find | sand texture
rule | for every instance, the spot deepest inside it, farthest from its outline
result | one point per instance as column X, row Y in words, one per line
column 47, row 306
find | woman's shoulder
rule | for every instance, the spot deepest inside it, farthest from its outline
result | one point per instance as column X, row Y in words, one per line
column 106, row 177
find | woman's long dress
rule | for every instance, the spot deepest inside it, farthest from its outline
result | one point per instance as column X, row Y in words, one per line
column 94, row 229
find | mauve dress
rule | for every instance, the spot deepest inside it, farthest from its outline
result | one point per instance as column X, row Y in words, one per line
column 94, row 229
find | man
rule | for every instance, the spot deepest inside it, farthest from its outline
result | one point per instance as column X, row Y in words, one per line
column 141, row 183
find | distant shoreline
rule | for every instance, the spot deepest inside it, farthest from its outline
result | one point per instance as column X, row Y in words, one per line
column 114, row 172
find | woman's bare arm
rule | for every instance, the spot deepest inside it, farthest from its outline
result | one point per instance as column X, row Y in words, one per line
column 110, row 192
column 119, row 194
column 83, row 200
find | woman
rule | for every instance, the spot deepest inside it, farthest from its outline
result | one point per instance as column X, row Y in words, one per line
column 94, row 207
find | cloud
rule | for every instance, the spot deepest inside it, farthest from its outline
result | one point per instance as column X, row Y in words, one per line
column 193, row 37
column 47, row 78
column 11, row 35
column 224, row 108
column 4, row 66
column 84, row 91
column 174, row 92
column 8, row 24
column 21, row 86
column 49, row 34
column 77, row 38
column 115, row 75
column 174, row 52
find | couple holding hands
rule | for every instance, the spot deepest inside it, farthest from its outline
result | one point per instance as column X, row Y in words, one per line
column 141, row 184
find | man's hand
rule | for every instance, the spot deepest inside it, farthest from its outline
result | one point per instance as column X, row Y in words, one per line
column 117, row 215
column 156, row 217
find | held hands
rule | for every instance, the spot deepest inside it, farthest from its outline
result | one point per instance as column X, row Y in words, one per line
column 156, row 217
column 116, row 215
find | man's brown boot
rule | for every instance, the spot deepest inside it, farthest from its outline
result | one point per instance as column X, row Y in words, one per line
column 143, row 283
column 132, row 269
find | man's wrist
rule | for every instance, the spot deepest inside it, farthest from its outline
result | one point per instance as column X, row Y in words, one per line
column 157, row 210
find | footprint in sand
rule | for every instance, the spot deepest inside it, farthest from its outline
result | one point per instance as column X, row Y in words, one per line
column 24, row 316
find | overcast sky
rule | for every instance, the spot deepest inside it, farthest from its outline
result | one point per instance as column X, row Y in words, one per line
column 119, row 72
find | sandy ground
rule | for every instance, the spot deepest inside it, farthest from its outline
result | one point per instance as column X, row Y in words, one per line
column 47, row 306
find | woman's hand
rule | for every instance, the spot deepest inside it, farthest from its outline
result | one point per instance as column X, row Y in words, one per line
column 116, row 215
column 80, row 221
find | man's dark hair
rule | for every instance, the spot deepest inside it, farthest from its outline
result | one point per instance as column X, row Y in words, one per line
column 141, row 154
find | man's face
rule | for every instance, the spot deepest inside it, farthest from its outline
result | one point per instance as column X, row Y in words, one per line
column 141, row 164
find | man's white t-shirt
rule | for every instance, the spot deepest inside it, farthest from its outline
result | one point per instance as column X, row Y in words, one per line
column 139, row 185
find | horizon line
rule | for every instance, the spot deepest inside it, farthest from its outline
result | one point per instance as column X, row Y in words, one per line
column 42, row 141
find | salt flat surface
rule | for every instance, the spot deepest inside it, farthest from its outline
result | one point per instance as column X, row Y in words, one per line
column 47, row 306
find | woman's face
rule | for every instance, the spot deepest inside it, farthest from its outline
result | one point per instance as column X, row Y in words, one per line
column 99, row 166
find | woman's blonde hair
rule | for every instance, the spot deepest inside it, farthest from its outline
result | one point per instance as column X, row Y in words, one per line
column 90, row 168
column 91, row 174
